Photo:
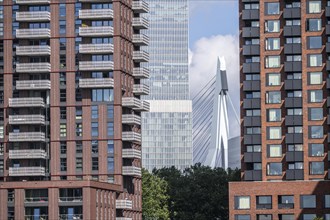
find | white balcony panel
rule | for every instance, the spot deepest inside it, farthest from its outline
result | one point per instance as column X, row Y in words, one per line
column 33, row 33
column 30, row 2
column 131, row 102
column 124, row 204
column 141, row 73
column 131, row 171
column 123, row 218
column 131, row 119
column 141, row 89
column 96, row 83
column 26, row 102
column 33, row 85
column 33, row 67
column 95, row 65
column 95, row 48
column 140, row 23
column 140, row 6
column 27, row 154
column 27, row 136
column 43, row 50
column 26, row 119
column 96, row 13
column 27, row 171
column 31, row 16
column 131, row 153
column 140, row 39
column 131, row 136
column 144, row 107
column 96, row 31
column 140, row 56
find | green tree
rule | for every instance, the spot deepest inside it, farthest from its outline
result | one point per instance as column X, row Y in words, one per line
column 318, row 218
column 154, row 197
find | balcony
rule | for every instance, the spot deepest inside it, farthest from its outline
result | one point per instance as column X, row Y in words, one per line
column 141, row 89
column 289, row 31
column 292, row 66
column 250, row 32
column 250, row 139
column 131, row 171
column 140, row 56
column 292, row 48
column 32, row 16
column 250, row 14
column 252, row 157
column 39, row 50
column 36, row 33
column 252, row 175
column 33, row 85
column 124, row 204
column 26, row 102
column 289, row 13
column 96, row 31
column 131, row 102
column 327, row 11
column 95, row 65
column 27, row 137
column 95, row 48
column 249, row 50
column 140, row 6
column 251, row 85
column 293, row 84
column 293, row 102
column 251, row 67
column 251, row 103
column 27, row 171
column 96, row 14
column 294, row 174
column 123, row 218
column 30, row 2
column 140, row 39
column 33, row 67
column 131, row 119
column 294, row 156
column 70, row 216
column 293, row 120
column 26, row 119
column 27, row 154
column 141, row 73
column 131, row 153
column 144, row 107
column 294, row 138
column 140, row 23
column 252, row 121
column 131, row 136
column 96, row 83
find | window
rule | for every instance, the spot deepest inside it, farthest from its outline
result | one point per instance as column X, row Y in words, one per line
column 273, row 114
column 79, row 147
column 308, row 216
column 110, row 164
column 102, row 95
column 110, row 147
column 316, row 168
column 273, row 97
column 252, row 95
column 316, row 150
column 95, row 163
column 272, row 26
column 95, row 112
column 95, row 147
column 63, row 164
column 314, row 24
column 251, row 6
column 294, row 93
column 242, row 202
column 293, row 76
column 110, row 128
column 249, row 77
column 264, row 202
column 286, row 217
column 95, row 129
column 253, row 148
column 242, row 217
column 79, row 164
column 78, row 113
column 62, row 95
column 285, row 202
column 62, row 130
column 314, row 42
column 295, row 147
column 307, row 201
column 294, row 111
column 295, row 22
column 62, row 112
column 314, row 7
column 264, row 217
column 272, row 8
column 315, row 78
column 110, row 111
column 315, row 132
column 253, row 41
column 274, row 150
column 273, row 43
column 326, row 201
column 294, row 129
column 252, row 130
column 79, row 129
column 274, row 133
column 274, row 169
column 315, row 114
column 315, row 95
column 293, row 40
column 63, row 147
column 293, row 58
column 314, row 60
column 252, row 112
column 273, row 61
column 273, row 79
column 296, row 166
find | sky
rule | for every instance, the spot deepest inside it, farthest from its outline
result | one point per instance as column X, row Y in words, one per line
column 213, row 32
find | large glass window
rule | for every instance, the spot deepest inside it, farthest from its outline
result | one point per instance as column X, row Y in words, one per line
column 274, row 133
column 95, row 129
column 316, row 150
column 316, row 131
column 314, row 60
column 314, row 24
column 314, row 42
column 272, row 26
column 315, row 95
column 294, row 111
column 273, row 97
column 308, row 216
column 253, row 112
column 314, row 6
column 326, row 201
column 253, row 148
column 273, row 43
column 286, row 202
column 102, row 95
column 242, row 202
column 273, row 61
column 315, row 78
column 286, row 217
column 274, row 150
column 274, row 169
column 272, row 8
column 242, row 217
column 307, row 201
column 264, row 202
column 264, row 217
column 315, row 114
column 316, row 168
column 273, row 114
column 273, row 79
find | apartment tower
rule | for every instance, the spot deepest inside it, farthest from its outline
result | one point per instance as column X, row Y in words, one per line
column 167, row 128
column 285, row 100
column 70, row 109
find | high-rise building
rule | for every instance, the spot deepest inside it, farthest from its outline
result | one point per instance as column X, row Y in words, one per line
column 70, row 109
column 284, row 111
column 167, row 129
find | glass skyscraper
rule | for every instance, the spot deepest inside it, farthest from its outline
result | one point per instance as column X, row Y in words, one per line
column 167, row 129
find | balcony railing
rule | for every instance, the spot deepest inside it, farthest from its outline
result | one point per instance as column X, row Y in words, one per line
column 27, row 154
column 27, row 171
column 39, row 50
column 141, row 89
column 27, row 137
column 131, row 171
column 36, row 199
column 96, row 83
column 95, row 48
column 33, row 85
column 33, row 67
column 32, row 16
column 131, row 119
column 26, row 102
column 71, row 199
column 141, row 72
column 95, row 31
column 33, row 33
column 144, row 107
column 96, row 13
column 131, row 153
column 140, row 56
column 70, row 216
column 140, row 6
column 34, row 217
column 124, row 204
column 131, row 136
column 95, row 65
column 140, row 39
column 123, row 218
column 26, row 119
column 131, row 102
column 28, row 2
column 140, row 23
